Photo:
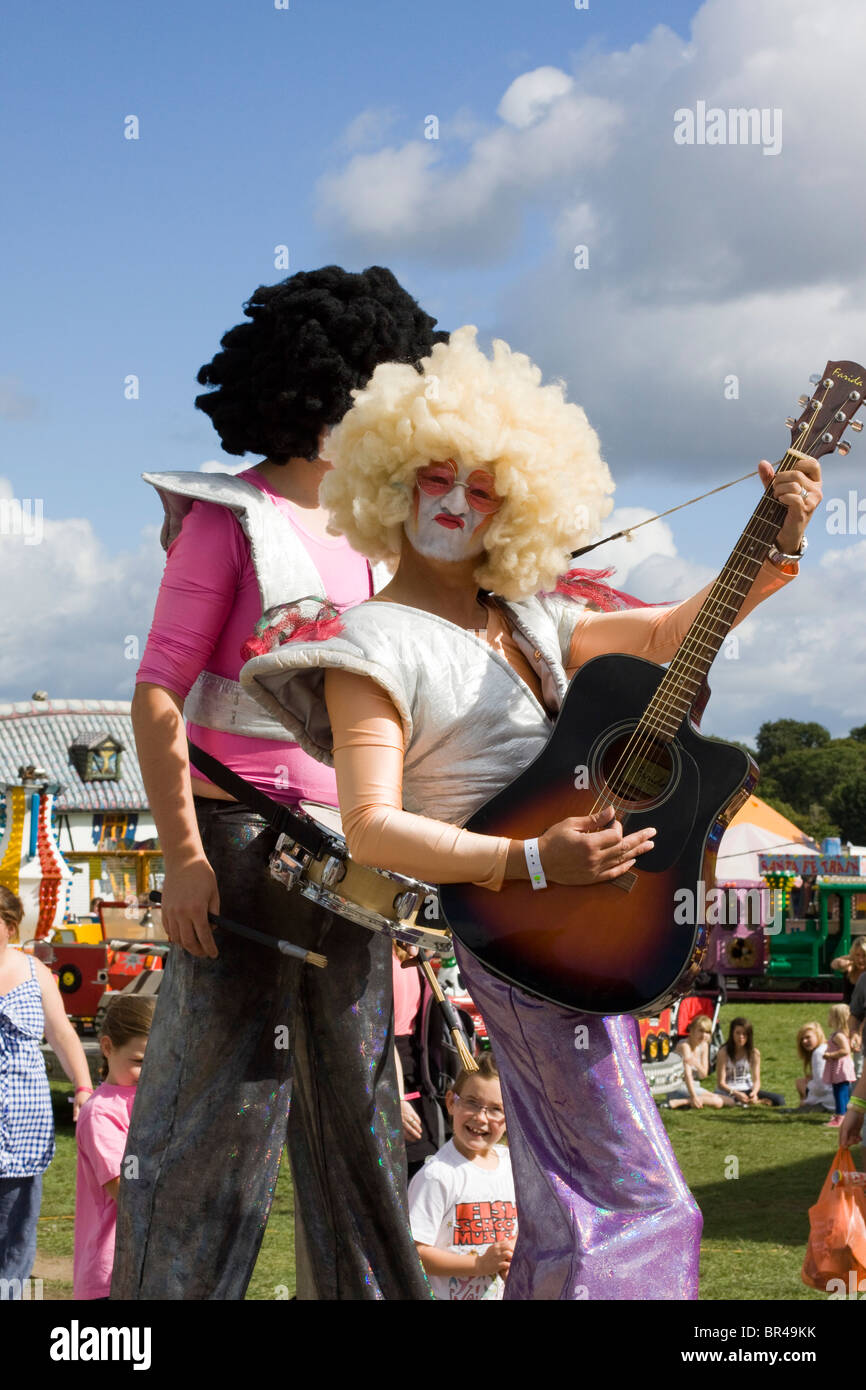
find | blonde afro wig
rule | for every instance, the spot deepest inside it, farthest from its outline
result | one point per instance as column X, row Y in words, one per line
column 488, row 413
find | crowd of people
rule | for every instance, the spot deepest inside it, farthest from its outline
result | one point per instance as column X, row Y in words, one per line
column 830, row 1067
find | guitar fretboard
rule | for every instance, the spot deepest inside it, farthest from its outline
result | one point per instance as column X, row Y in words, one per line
column 682, row 681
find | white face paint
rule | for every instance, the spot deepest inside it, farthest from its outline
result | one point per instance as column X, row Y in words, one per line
column 446, row 527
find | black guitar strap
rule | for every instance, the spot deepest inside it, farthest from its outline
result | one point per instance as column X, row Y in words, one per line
column 281, row 818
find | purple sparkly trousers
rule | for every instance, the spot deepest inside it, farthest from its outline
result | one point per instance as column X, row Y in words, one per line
column 243, row 1048
column 603, row 1209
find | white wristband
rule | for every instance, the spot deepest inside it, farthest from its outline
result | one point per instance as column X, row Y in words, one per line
column 533, row 864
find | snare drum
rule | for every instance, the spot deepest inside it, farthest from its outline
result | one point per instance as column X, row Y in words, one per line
column 402, row 908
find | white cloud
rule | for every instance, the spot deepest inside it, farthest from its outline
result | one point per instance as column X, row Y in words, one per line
column 704, row 261
column 379, row 195
column 627, row 555
column 530, row 95
column 221, row 466
column 800, row 654
column 414, row 197
column 71, row 632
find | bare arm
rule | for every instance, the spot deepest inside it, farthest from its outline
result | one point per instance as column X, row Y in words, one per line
column 495, row 1260
column 62, row 1037
column 411, row 1120
column 849, row 1132
column 721, row 1063
column 112, row 1188
column 190, row 888
column 843, row 1048
column 368, row 759
column 658, row 633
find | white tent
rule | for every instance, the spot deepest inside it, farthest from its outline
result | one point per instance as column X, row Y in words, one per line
column 741, row 846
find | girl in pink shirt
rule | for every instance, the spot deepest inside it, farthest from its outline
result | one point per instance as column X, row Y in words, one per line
column 103, row 1126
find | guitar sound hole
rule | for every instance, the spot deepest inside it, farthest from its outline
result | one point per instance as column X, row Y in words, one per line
column 636, row 771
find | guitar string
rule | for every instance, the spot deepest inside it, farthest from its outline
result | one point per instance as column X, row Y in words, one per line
column 711, row 614
column 760, row 530
column 644, row 737
column 666, row 706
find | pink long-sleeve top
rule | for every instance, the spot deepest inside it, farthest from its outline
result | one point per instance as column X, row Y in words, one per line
column 369, row 746
column 208, row 605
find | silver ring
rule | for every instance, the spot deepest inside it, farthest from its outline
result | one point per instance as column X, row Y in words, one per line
column 804, row 493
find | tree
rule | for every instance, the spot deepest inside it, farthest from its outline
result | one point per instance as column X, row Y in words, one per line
column 814, row 822
column 847, row 805
column 805, row 775
column 859, row 733
column 780, row 736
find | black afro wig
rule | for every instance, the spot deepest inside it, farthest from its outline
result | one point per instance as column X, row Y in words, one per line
column 312, row 340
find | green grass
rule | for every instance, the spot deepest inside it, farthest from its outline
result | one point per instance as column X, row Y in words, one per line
column 755, row 1224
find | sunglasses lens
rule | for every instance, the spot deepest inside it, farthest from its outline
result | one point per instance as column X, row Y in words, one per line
column 439, row 479
column 435, row 481
column 482, row 501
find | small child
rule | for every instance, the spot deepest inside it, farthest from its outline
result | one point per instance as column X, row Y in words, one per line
column 813, row 1091
column 838, row 1062
column 103, row 1126
column 461, row 1203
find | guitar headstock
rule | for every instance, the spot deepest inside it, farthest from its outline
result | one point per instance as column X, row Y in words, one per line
column 836, row 397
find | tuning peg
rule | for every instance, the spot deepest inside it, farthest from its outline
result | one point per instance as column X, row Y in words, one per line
column 844, row 447
column 855, row 425
column 815, row 377
column 795, row 424
column 803, row 400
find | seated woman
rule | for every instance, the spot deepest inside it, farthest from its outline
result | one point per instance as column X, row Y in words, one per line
column 738, row 1068
column 695, row 1052
column 434, row 695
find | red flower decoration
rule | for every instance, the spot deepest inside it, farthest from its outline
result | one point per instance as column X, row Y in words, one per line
column 587, row 584
column 287, row 623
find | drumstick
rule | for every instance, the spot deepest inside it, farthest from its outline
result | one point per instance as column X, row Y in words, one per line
column 467, row 1061
column 279, row 943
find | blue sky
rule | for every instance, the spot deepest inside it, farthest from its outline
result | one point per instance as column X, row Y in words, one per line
column 257, row 128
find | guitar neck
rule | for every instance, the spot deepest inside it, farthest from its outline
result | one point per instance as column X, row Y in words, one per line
column 686, row 673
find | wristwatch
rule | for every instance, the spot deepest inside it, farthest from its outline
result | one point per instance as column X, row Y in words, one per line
column 779, row 557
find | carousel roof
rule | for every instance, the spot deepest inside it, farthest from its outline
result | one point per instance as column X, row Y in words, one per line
column 42, row 733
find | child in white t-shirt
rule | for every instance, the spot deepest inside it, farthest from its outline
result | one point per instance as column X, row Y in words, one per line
column 461, row 1203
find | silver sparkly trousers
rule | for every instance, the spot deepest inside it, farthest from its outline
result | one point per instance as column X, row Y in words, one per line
column 242, row 1049
column 603, row 1209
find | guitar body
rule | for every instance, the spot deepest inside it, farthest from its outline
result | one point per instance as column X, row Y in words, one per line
column 626, row 946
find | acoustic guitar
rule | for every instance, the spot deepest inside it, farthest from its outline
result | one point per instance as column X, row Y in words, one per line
column 627, row 736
